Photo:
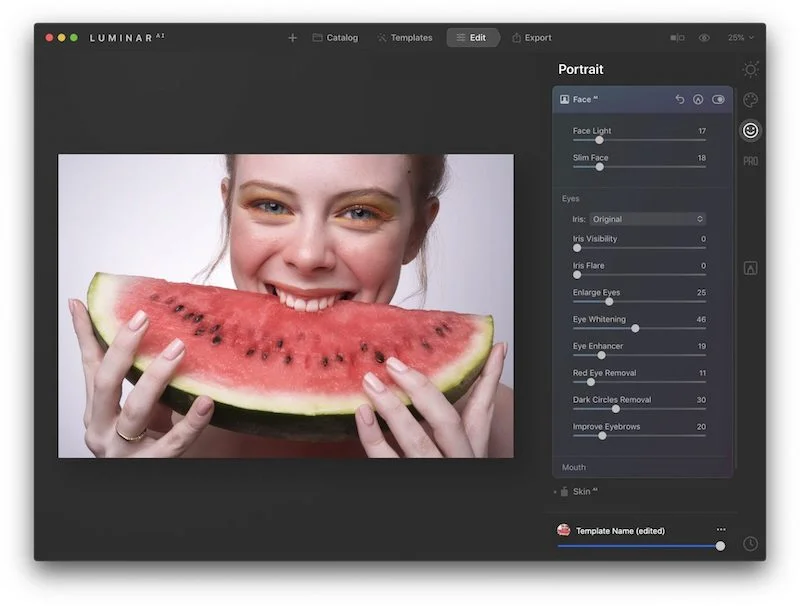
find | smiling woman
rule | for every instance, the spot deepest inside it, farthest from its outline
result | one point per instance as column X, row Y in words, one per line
column 311, row 230
column 327, row 226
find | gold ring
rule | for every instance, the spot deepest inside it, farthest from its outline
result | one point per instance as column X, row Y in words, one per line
column 126, row 438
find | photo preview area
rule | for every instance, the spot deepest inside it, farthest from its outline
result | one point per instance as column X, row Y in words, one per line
column 179, row 205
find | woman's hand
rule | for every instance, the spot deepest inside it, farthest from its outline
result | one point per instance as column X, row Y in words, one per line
column 114, row 431
column 454, row 434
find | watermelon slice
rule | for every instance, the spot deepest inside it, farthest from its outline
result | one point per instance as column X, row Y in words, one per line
column 279, row 372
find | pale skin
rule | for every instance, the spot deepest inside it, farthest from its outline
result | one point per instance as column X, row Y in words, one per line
column 308, row 230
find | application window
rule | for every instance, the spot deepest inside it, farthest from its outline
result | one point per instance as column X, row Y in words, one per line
column 284, row 245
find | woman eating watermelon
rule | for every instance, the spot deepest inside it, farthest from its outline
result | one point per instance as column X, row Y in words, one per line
column 311, row 233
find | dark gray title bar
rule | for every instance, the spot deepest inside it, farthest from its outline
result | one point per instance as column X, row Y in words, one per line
column 589, row 39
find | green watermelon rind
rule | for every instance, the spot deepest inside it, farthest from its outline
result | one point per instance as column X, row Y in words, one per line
column 329, row 425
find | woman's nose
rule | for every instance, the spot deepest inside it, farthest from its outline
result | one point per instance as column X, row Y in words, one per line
column 309, row 249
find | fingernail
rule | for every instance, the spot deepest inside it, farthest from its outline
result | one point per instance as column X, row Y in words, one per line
column 505, row 350
column 138, row 320
column 396, row 364
column 71, row 304
column 204, row 407
column 374, row 382
column 366, row 414
column 173, row 350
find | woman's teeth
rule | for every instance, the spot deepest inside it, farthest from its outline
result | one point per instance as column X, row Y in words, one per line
column 299, row 304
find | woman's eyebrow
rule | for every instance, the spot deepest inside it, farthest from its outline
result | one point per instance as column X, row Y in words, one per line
column 370, row 191
column 355, row 193
column 267, row 185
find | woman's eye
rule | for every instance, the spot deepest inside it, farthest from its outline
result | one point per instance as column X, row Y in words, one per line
column 273, row 208
column 360, row 214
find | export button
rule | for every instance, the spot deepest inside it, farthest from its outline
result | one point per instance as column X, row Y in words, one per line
column 473, row 37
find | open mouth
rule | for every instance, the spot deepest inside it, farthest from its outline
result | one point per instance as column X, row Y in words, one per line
column 305, row 303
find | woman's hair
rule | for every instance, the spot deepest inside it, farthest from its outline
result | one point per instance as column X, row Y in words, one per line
column 427, row 181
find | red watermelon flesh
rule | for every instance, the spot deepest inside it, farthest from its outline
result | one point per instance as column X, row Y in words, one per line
column 253, row 355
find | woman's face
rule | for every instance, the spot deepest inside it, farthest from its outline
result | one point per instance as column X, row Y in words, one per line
column 313, row 229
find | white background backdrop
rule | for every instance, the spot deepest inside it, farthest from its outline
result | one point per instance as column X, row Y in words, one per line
column 773, row 582
column 159, row 216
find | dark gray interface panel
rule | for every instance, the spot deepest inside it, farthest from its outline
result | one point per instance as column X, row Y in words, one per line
column 643, row 208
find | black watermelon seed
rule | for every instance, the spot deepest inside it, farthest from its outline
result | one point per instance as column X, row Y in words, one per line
column 425, row 344
column 215, row 328
column 198, row 317
column 280, row 343
column 339, row 357
column 364, row 347
column 439, row 331
column 446, row 327
column 199, row 331
column 379, row 357
column 250, row 352
column 264, row 355
column 324, row 360
column 216, row 340
column 179, row 308
column 188, row 316
column 154, row 297
column 287, row 360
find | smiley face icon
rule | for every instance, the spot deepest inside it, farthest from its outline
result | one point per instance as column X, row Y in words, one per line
column 750, row 130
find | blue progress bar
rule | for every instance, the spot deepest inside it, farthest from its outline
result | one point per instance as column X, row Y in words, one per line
column 638, row 546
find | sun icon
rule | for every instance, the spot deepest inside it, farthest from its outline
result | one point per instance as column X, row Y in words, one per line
column 751, row 69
